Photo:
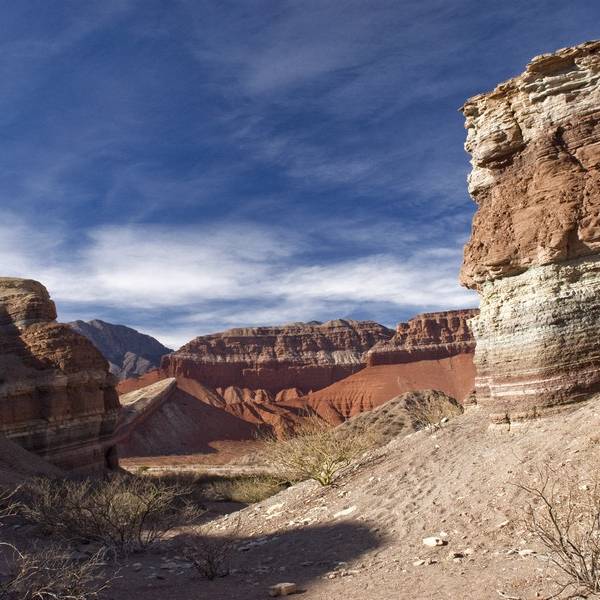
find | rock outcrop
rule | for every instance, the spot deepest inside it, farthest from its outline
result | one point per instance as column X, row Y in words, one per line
column 57, row 398
column 534, row 253
column 431, row 351
column 429, row 336
column 301, row 356
column 230, row 386
column 129, row 353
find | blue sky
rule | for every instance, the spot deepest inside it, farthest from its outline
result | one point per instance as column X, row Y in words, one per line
column 187, row 166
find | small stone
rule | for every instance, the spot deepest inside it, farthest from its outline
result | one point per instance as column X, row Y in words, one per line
column 345, row 512
column 283, row 589
column 526, row 552
column 434, row 541
column 456, row 555
column 418, row 563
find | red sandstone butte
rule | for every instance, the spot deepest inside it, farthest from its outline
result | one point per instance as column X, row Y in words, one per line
column 57, row 397
column 431, row 351
column 302, row 356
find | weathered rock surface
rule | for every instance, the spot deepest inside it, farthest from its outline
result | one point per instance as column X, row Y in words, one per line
column 303, row 356
column 533, row 253
column 429, row 336
column 398, row 416
column 231, row 385
column 431, row 351
column 57, row 398
column 129, row 352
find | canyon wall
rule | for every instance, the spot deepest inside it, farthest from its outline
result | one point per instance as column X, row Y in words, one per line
column 57, row 398
column 299, row 358
column 534, row 252
column 430, row 351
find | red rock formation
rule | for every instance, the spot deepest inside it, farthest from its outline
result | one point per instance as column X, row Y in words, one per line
column 431, row 351
column 305, row 356
column 57, row 398
column 534, row 250
column 429, row 336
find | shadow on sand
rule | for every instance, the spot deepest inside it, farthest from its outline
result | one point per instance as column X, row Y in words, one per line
column 302, row 555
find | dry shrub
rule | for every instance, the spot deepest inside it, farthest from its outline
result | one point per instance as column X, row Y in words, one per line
column 243, row 488
column 51, row 574
column 316, row 451
column 430, row 411
column 123, row 513
column 209, row 552
column 247, row 489
column 564, row 516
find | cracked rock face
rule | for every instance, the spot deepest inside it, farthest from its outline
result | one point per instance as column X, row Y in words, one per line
column 533, row 252
column 57, row 398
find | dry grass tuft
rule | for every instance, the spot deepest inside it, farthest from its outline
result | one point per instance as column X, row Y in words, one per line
column 316, row 451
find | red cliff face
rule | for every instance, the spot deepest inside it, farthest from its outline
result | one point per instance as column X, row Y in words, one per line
column 57, row 398
column 429, row 336
column 431, row 351
column 305, row 356
column 230, row 385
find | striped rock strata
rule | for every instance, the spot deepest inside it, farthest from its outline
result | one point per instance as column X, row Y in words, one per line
column 300, row 357
column 57, row 398
column 533, row 253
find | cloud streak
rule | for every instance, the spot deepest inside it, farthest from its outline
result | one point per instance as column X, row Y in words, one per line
column 233, row 274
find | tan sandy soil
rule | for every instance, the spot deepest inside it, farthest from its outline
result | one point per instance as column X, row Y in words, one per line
column 359, row 539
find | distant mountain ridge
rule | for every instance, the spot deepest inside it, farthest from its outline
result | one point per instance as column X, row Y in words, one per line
column 129, row 352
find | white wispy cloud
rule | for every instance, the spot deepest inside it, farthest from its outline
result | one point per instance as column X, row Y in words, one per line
column 227, row 274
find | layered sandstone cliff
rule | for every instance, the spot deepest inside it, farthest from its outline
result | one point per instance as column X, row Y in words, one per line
column 429, row 336
column 534, row 250
column 57, row 398
column 301, row 357
column 430, row 351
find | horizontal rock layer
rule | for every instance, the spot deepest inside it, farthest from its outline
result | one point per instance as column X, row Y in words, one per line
column 538, row 347
column 429, row 336
column 306, row 356
column 57, row 398
column 535, row 147
column 533, row 253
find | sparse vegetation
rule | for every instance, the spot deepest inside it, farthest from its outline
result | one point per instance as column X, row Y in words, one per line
column 125, row 514
column 316, row 451
column 210, row 553
column 242, row 488
column 564, row 516
column 51, row 574
column 428, row 411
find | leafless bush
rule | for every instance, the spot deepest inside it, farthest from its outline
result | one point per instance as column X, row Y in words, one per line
column 564, row 516
column 247, row 489
column 51, row 574
column 431, row 411
column 8, row 503
column 211, row 553
column 316, row 451
column 124, row 513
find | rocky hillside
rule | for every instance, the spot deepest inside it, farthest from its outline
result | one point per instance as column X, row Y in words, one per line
column 300, row 356
column 431, row 351
column 57, row 397
column 129, row 352
column 534, row 253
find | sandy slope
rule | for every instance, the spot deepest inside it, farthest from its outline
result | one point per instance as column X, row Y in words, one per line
column 459, row 481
